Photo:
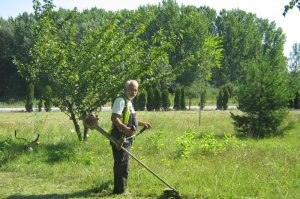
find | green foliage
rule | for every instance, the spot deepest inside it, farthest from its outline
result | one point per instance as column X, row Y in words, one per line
column 291, row 5
column 150, row 99
column 263, row 97
column 297, row 100
column 177, row 99
column 40, row 105
column 48, row 98
column 157, row 98
column 185, row 143
column 86, row 74
column 294, row 75
column 29, row 97
column 165, row 100
column 225, row 100
column 182, row 99
column 210, row 143
column 202, row 99
column 156, row 141
column 142, row 100
column 219, row 100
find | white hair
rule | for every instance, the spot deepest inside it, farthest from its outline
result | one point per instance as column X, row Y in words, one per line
column 130, row 82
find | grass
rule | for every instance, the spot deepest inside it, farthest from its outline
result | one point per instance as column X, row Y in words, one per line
column 205, row 161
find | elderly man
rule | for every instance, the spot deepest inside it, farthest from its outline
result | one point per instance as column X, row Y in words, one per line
column 124, row 123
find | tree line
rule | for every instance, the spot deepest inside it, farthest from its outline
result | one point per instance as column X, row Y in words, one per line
column 84, row 58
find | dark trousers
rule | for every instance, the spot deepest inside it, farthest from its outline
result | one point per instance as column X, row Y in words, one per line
column 121, row 168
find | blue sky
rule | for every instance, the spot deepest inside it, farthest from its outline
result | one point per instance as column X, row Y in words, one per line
column 270, row 9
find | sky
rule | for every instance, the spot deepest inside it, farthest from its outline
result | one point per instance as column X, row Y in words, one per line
column 267, row 9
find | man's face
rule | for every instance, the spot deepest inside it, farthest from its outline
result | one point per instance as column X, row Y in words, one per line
column 131, row 91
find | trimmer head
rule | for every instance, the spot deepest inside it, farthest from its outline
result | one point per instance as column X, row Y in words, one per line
column 171, row 193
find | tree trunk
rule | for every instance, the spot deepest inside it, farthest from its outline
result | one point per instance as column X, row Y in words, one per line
column 77, row 127
column 85, row 134
column 75, row 122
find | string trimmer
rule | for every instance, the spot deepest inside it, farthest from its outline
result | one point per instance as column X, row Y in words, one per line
column 92, row 122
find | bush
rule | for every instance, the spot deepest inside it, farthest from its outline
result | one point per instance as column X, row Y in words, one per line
column 165, row 100
column 225, row 98
column 40, row 105
column 177, row 99
column 142, row 100
column 150, row 100
column 297, row 100
column 202, row 99
column 157, row 99
column 219, row 100
column 48, row 98
column 185, row 144
column 182, row 100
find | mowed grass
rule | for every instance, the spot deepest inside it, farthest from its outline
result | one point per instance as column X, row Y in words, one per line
column 205, row 161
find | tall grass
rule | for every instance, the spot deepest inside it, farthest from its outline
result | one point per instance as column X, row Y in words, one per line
column 217, row 165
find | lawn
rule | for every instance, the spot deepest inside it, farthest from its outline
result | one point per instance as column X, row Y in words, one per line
column 200, row 161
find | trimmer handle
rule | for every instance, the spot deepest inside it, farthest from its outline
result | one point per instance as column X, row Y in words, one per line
column 141, row 131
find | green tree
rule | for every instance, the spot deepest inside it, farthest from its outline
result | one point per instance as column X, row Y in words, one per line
column 142, row 100
column 157, row 98
column 87, row 69
column 12, row 85
column 177, row 99
column 47, row 96
column 165, row 100
column 291, row 5
column 225, row 99
column 242, row 40
column 219, row 100
column 294, row 75
column 262, row 97
column 182, row 99
column 150, row 99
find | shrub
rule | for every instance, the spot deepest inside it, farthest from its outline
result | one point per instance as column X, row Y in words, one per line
column 150, row 100
column 185, row 144
column 225, row 98
column 156, row 141
column 165, row 99
column 177, row 99
column 219, row 100
column 48, row 98
column 210, row 144
column 182, row 100
column 202, row 99
column 142, row 100
column 297, row 100
column 40, row 105
column 157, row 99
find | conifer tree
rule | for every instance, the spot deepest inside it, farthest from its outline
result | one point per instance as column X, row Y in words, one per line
column 177, row 99
column 165, row 100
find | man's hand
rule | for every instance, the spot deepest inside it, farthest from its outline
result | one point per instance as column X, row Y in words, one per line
column 91, row 121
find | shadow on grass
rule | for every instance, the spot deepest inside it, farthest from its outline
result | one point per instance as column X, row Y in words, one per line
column 11, row 150
column 98, row 192
column 59, row 152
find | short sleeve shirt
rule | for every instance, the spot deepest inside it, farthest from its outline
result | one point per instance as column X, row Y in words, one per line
column 119, row 106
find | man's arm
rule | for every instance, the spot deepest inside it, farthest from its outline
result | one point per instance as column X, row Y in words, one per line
column 147, row 125
column 115, row 118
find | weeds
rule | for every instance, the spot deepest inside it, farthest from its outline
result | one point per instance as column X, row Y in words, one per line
column 185, row 144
